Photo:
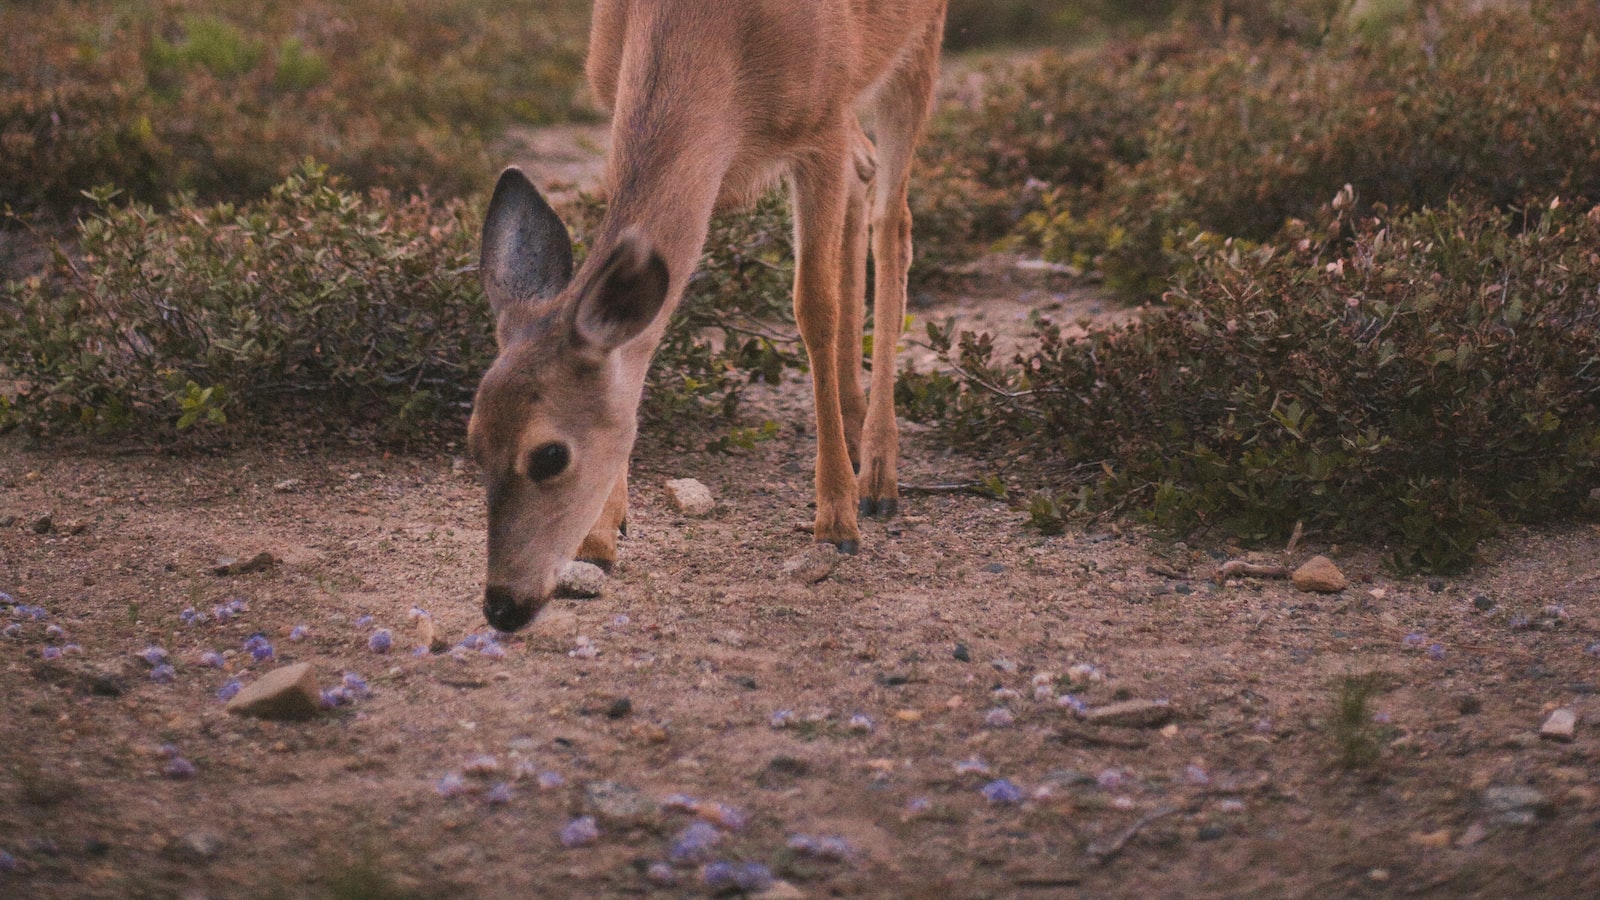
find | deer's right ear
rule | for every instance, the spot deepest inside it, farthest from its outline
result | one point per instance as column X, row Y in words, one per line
column 526, row 250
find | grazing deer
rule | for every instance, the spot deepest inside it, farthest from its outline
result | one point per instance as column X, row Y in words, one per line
column 712, row 102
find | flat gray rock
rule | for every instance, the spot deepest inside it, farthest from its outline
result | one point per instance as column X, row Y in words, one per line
column 1132, row 714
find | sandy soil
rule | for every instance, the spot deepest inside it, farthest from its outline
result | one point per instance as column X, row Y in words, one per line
column 914, row 702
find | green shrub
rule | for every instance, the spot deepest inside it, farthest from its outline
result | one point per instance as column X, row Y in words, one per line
column 1107, row 158
column 326, row 310
column 185, row 96
column 1417, row 379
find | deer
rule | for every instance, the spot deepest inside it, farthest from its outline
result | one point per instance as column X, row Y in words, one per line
column 713, row 103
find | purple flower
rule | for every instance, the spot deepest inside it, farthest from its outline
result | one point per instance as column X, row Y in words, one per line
column 748, row 877
column 829, row 847
column 381, row 641
column 153, row 655
column 1414, row 640
column 999, row 717
column 916, row 806
column 861, row 724
column 50, row 653
column 298, row 633
column 1593, row 649
column 1436, row 652
column 620, row 621
column 682, row 802
column 178, row 767
column 211, row 659
column 363, row 621
column 1197, row 776
column 549, row 781
column 973, row 766
column 499, row 795
column 356, row 686
column 8, row 863
column 334, row 697
column 229, row 689
column 1109, row 780
column 1382, row 718
column 661, row 873
column 493, row 650
column 1072, row 702
column 191, row 616
column 694, row 843
column 55, row 631
column 415, row 613
column 12, row 630
column 222, row 614
column 164, row 674
column 451, row 785
column 261, row 651
column 1002, row 791
column 729, row 817
column 474, row 641
column 782, row 718
column 581, row 832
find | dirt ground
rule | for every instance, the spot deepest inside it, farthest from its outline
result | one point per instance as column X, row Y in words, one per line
column 880, row 705
column 909, row 722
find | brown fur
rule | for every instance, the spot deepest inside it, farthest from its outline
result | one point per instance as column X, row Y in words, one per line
column 712, row 101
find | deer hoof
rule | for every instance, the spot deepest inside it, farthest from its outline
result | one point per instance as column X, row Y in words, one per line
column 848, row 547
column 885, row 508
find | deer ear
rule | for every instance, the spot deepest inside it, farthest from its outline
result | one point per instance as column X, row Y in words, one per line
column 625, row 297
column 526, row 250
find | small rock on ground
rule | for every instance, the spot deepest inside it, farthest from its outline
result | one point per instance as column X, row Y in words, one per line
column 285, row 694
column 1319, row 575
column 814, row 565
column 582, row 580
column 1561, row 726
column 690, row 497
column 1132, row 714
column 1515, row 804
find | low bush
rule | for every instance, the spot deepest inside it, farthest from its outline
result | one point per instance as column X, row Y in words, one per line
column 224, row 102
column 1416, row 379
column 327, row 310
column 1106, row 158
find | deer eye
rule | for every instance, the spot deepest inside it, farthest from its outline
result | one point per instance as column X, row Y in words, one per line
column 547, row 462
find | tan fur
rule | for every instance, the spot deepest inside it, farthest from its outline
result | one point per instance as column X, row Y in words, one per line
column 712, row 102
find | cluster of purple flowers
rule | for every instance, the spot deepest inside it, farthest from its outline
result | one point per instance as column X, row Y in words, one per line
column 24, row 611
column 381, row 641
column 259, row 647
column 352, row 687
column 191, row 616
column 487, row 644
column 1002, row 791
column 229, row 689
column 226, row 611
column 580, row 832
column 831, row 847
column 176, row 766
column 746, row 877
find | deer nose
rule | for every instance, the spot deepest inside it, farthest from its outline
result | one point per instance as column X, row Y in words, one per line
column 504, row 611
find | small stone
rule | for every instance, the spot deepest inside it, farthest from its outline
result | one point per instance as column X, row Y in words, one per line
column 44, row 524
column 1482, row 603
column 258, row 563
column 197, row 846
column 690, row 497
column 781, row 890
column 1561, row 726
column 1469, row 705
column 1515, row 804
column 962, row 654
column 581, row 580
column 1212, row 832
column 1433, row 840
column 287, row 486
column 1132, row 714
column 1473, row 836
column 1319, row 575
column 287, row 694
column 619, row 804
column 814, row 565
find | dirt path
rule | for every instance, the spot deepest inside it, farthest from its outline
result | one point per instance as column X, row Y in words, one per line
column 917, row 702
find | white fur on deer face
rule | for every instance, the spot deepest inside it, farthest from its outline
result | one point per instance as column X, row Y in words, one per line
column 555, row 416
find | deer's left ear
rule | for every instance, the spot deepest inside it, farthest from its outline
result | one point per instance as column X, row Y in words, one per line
column 625, row 296
column 526, row 253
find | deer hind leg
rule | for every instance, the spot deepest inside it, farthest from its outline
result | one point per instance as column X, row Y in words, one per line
column 821, row 186
column 853, row 293
column 600, row 545
column 900, row 110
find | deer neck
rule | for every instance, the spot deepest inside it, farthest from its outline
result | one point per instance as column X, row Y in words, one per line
column 673, row 139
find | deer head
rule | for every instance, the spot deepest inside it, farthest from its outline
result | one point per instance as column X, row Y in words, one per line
column 555, row 416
